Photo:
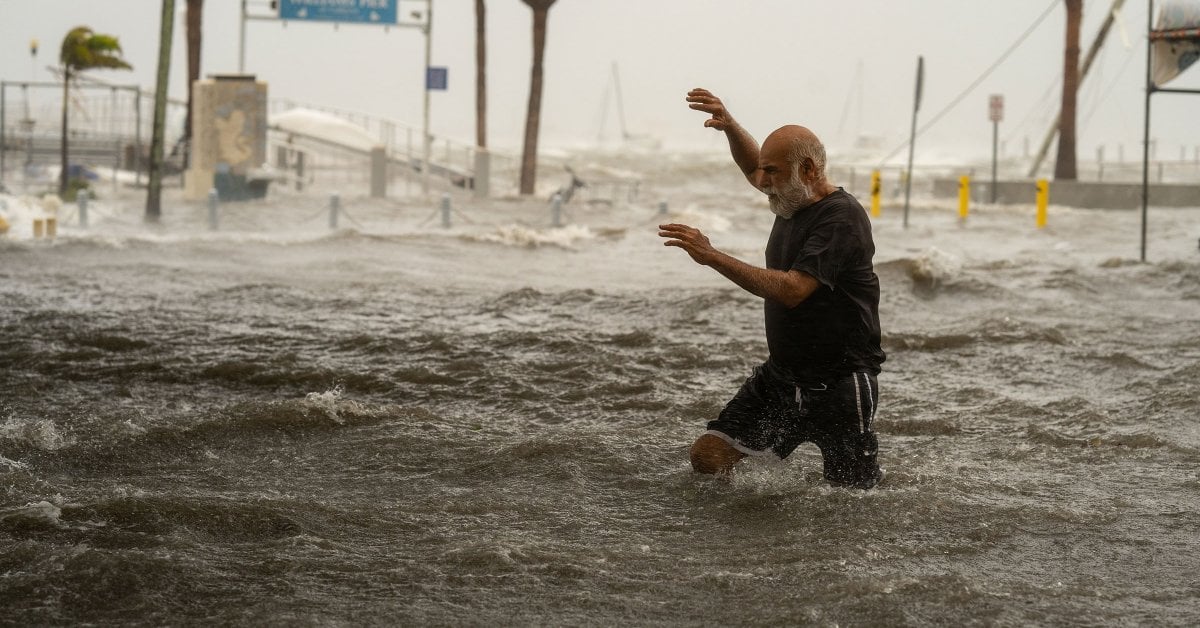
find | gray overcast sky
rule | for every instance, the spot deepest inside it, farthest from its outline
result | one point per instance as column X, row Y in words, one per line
column 844, row 69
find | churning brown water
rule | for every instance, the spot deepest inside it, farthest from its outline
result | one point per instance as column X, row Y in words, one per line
column 402, row 424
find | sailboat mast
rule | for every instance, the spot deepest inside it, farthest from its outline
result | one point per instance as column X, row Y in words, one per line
column 620, row 101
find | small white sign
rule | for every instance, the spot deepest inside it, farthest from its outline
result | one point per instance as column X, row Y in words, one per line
column 996, row 107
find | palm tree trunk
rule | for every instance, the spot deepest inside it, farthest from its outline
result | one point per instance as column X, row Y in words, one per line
column 480, row 75
column 541, row 9
column 195, row 22
column 62, row 177
column 154, row 191
column 1064, row 165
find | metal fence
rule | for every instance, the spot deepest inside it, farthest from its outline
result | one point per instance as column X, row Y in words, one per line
column 108, row 127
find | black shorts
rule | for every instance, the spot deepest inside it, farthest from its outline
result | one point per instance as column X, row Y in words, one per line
column 772, row 416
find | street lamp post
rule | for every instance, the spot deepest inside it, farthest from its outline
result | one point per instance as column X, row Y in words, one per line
column 242, row 40
column 427, row 144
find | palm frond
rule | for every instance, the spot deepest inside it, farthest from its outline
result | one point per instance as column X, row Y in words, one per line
column 83, row 49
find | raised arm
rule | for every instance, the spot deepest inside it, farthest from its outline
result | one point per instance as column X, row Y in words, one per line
column 741, row 145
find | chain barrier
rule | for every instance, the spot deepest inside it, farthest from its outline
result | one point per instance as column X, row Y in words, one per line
column 342, row 211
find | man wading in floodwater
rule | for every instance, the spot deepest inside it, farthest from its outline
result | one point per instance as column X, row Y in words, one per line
column 821, row 299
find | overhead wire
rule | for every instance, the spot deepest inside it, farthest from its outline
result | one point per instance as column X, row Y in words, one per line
column 986, row 73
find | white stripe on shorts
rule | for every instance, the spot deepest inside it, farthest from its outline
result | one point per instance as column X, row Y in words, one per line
column 862, row 426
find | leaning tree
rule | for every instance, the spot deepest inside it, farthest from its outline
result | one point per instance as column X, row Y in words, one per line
column 83, row 50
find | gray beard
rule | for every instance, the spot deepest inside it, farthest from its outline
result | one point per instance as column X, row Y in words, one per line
column 786, row 202
column 779, row 209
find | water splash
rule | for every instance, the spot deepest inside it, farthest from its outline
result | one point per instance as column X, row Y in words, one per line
column 326, row 402
column 42, row 434
column 516, row 235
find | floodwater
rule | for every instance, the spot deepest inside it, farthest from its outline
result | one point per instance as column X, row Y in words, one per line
column 396, row 423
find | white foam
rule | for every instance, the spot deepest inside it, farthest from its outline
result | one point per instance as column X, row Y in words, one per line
column 516, row 235
column 935, row 266
column 34, row 510
column 13, row 465
column 42, row 433
column 326, row 402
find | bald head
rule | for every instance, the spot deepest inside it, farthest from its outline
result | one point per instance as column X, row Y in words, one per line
column 797, row 145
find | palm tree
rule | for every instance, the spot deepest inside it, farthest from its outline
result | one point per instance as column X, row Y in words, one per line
column 1064, row 165
column 83, row 50
column 541, row 9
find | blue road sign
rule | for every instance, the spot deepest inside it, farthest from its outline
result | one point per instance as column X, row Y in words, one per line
column 435, row 78
column 361, row 11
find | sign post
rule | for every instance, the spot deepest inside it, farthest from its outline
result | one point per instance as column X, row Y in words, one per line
column 913, row 137
column 995, row 114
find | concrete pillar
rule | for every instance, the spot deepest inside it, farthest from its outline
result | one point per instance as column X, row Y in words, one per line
column 483, row 173
column 229, row 134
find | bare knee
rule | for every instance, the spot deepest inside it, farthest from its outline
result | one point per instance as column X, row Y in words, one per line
column 712, row 455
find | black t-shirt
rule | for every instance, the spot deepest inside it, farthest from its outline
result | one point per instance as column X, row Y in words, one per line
column 835, row 331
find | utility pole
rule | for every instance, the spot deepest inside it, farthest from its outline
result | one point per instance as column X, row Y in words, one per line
column 1064, row 163
column 154, row 191
column 912, row 140
column 1093, row 50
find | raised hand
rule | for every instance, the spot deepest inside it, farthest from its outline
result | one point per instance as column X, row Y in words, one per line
column 701, row 99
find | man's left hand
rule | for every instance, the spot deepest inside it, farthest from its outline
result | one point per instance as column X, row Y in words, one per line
column 689, row 239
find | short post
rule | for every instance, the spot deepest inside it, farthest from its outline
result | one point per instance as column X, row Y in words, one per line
column 214, row 200
column 378, row 172
column 82, row 200
column 299, row 171
column 39, row 228
column 335, row 208
column 446, row 211
column 964, row 197
column 876, row 188
column 556, row 210
column 662, row 208
column 51, row 227
column 483, row 173
column 1043, row 199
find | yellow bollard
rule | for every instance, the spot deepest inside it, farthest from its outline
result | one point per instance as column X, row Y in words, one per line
column 964, row 197
column 1043, row 199
column 875, row 189
column 51, row 227
column 3, row 226
column 39, row 227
